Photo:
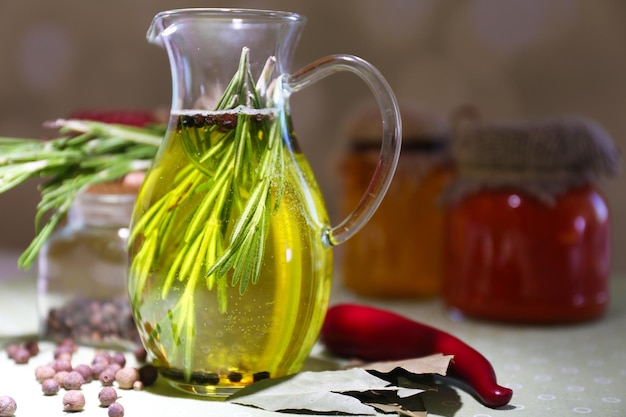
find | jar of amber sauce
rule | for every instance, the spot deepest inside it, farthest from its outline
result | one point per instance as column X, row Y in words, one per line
column 398, row 253
column 527, row 228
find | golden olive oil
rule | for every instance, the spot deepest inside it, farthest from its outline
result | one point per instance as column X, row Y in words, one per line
column 210, row 335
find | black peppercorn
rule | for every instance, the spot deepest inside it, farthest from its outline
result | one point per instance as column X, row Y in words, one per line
column 148, row 374
column 260, row 376
column 235, row 377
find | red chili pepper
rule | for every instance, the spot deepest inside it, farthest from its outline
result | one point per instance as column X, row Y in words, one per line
column 371, row 334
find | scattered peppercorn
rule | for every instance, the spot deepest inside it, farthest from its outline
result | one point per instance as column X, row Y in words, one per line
column 62, row 365
column 43, row 372
column 106, row 367
column 60, row 377
column 101, row 357
column 7, row 406
column 126, row 377
column 50, row 386
column 73, row 381
column 97, row 368
column 11, row 349
column 21, row 355
column 68, row 342
column 116, row 410
column 63, row 352
column 32, row 346
column 107, row 396
column 73, row 400
column 148, row 374
column 119, row 358
column 114, row 367
column 85, row 371
column 107, row 377
column 64, row 356
column 65, row 347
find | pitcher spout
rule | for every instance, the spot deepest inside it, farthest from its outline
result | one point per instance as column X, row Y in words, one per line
column 203, row 46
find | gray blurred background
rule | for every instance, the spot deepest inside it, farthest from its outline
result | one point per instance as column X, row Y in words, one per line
column 510, row 58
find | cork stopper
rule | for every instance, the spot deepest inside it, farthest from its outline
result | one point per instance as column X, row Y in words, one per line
column 422, row 128
column 545, row 157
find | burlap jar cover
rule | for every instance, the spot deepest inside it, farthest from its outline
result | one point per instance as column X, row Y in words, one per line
column 542, row 158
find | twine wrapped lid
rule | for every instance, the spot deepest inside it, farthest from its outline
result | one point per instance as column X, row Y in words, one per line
column 544, row 158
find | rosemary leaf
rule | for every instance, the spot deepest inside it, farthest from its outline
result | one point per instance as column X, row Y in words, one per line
column 85, row 153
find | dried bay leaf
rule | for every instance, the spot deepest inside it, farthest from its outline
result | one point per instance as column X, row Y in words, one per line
column 318, row 392
column 388, row 387
column 396, row 408
column 391, row 402
column 433, row 364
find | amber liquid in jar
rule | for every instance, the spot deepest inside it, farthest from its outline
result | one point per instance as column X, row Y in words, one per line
column 398, row 254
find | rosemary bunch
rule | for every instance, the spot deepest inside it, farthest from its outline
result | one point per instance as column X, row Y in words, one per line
column 85, row 153
column 248, row 153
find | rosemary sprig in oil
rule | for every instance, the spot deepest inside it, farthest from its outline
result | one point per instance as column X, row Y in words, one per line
column 248, row 148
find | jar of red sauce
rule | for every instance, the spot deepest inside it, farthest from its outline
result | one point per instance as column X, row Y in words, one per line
column 398, row 253
column 527, row 229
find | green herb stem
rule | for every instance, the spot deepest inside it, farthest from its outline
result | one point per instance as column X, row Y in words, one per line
column 86, row 153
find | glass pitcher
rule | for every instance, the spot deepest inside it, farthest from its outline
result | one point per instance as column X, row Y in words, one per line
column 230, row 247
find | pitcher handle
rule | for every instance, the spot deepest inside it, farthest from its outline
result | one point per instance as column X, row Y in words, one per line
column 391, row 135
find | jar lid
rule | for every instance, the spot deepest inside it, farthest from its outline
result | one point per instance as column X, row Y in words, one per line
column 422, row 128
column 562, row 144
column 544, row 157
column 113, row 187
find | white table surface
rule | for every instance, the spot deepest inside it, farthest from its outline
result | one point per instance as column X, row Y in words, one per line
column 554, row 370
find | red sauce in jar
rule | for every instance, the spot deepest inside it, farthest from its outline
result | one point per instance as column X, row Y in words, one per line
column 527, row 233
column 511, row 257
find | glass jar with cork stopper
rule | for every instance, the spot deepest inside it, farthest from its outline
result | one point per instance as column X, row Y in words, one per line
column 82, row 291
column 398, row 254
column 527, row 226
